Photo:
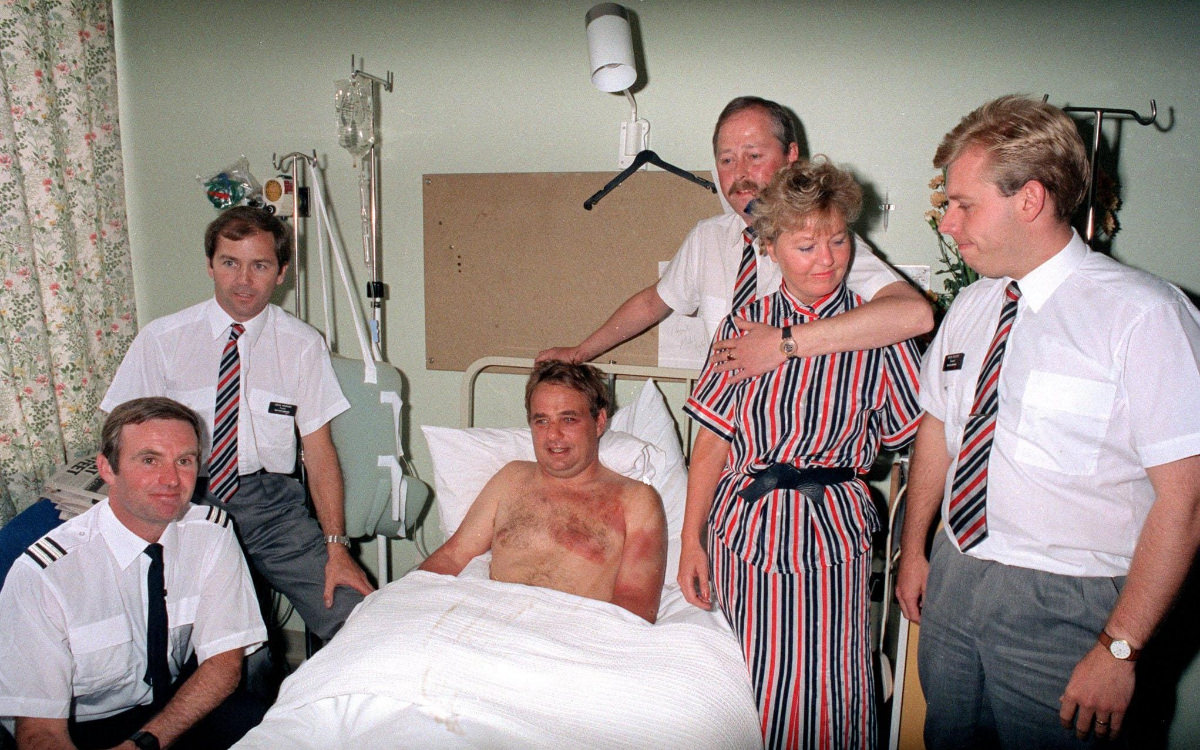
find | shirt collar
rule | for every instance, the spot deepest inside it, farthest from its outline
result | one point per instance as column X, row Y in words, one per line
column 219, row 322
column 1038, row 285
column 827, row 305
column 125, row 545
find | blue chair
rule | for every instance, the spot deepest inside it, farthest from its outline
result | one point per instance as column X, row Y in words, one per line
column 26, row 528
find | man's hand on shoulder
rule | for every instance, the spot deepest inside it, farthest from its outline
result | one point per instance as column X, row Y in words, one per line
column 342, row 570
column 754, row 353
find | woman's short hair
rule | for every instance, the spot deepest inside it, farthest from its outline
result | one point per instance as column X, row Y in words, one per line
column 137, row 411
column 806, row 191
column 240, row 222
column 1024, row 140
column 583, row 378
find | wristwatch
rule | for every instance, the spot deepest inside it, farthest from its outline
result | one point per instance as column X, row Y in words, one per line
column 341, row 539
column 788, row 345
column 144, row 740
column 1120, row 649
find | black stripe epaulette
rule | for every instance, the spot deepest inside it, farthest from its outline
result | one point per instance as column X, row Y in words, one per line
column 45, row 551
column 217, row 516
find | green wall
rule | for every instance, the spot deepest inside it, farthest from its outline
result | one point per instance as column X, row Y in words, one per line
column 503, row 87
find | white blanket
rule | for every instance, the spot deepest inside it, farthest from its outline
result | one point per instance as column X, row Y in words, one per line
column 438, row 661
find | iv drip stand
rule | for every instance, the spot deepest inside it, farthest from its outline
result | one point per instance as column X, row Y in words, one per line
column 370, row 206
column 1099, row 113
column 282, row 165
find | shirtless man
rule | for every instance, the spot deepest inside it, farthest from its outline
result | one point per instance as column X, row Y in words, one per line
column 565, row 521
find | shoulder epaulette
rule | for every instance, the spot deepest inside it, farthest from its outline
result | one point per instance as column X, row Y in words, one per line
column 217, row 516
column 45, row 551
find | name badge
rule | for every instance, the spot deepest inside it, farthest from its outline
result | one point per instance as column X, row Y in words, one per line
column 287, row 410
column 952, row 362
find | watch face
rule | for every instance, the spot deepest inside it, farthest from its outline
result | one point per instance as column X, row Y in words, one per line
column 1120, row 649
column 788, row 347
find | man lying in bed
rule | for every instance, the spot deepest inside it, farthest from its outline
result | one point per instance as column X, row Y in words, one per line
column 565, row 521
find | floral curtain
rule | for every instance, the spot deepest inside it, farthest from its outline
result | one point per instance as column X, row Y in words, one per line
column 66, row 281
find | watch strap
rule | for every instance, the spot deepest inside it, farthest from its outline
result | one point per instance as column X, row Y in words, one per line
column 1107, row 641
column 144, row 740
column 341, row 539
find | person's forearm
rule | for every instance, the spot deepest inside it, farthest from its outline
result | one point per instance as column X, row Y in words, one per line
column 42, row 734
column 324, row 476
column 704, row 471
column 638, row 313
column 212, row 682
column 1165, row 552
column 896, row 313
column 926, row 483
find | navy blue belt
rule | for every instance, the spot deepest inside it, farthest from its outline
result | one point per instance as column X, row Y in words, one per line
column 811, row 481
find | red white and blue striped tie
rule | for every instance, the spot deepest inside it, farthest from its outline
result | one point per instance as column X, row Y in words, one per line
column 223, row 463
column 968, row 499
column 747, row 279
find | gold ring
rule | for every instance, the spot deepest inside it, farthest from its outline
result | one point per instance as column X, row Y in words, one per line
column 1101, row 723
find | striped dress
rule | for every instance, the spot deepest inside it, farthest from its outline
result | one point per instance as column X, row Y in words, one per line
column 792, row 576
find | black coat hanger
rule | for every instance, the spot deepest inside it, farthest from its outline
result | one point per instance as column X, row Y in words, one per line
column 646, row 157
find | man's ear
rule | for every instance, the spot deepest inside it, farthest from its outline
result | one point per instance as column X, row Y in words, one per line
column 601, row 422
column 1033, row 199
column 107, row 471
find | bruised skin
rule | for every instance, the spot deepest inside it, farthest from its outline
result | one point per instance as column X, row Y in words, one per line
column 571, row 542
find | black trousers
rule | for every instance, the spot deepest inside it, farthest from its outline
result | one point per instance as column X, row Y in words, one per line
column 224, row 725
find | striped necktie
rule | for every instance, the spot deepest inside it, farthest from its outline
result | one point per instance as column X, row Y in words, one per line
column 747, row 278
column 158, row 671
column 968, row 498
column 223, row 463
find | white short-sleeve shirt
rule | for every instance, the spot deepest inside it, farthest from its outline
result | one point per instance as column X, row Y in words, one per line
column 286, row 377
column 1099, row 381
column 74, row 607
column 699, row 280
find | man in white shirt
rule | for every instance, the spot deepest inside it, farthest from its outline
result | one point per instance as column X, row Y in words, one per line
column 286, row 384
column 77, row 662
column 1037, row 600
column 752, row 140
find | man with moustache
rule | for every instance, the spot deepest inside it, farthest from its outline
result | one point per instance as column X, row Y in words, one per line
column 719, row 268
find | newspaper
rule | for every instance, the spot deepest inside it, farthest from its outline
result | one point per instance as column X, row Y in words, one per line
column 76, row 487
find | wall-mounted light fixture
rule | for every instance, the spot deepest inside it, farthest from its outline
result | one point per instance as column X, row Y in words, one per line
column 613, row 70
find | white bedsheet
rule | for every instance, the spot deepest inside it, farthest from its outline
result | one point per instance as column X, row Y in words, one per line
column 437, row 661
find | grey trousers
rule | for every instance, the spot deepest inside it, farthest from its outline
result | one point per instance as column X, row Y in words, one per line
column 998, row 644
column 285, row 544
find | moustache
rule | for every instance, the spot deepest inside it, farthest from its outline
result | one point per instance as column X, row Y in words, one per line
column 743, row 186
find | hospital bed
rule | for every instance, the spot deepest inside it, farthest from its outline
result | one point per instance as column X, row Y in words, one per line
column 433, row 661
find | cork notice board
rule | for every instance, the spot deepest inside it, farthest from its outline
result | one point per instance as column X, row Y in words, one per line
column 514, row 264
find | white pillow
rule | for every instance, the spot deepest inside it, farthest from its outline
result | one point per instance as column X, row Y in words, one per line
column 465, row 459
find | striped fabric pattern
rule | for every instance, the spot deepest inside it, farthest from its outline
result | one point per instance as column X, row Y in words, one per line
column 223, row 462
column 968, row 499
column 746, row 286
column 807, row 643
column 792, row 576
column 832, row 411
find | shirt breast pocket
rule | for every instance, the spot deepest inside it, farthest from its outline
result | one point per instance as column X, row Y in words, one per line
column 105, row 656
column 182, row 615
column 1063, row 421
column 272, row 427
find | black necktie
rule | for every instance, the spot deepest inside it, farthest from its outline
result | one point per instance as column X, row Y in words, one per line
column 158, row 673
